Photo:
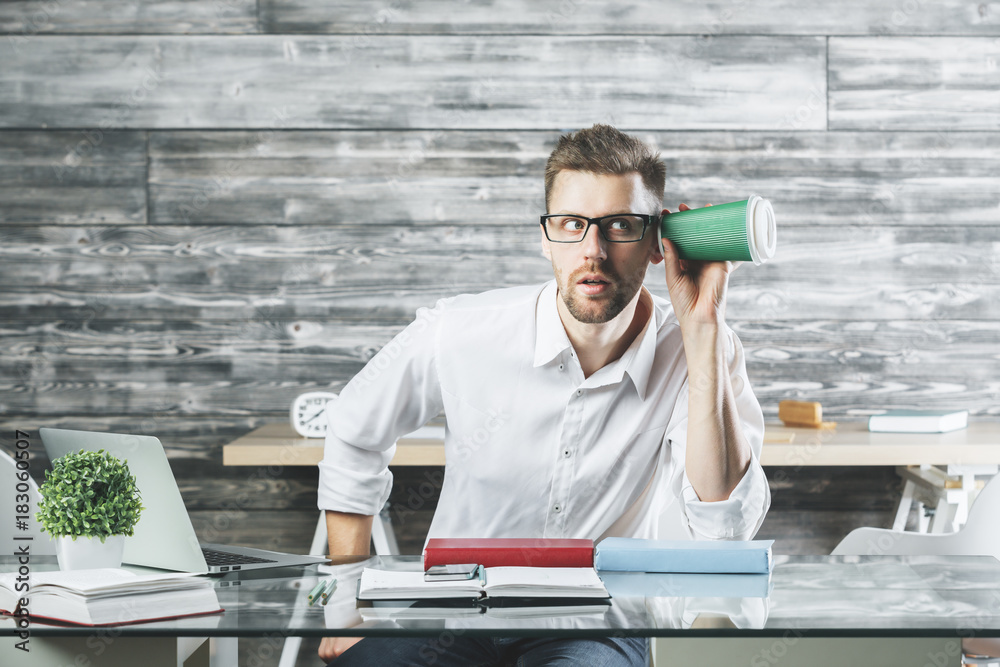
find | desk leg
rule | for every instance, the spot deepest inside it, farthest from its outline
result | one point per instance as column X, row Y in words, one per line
column 319, row 544
column 225, row 651
column 290, row 649
column 903, row 510
column 383, row 535
column 193, row 652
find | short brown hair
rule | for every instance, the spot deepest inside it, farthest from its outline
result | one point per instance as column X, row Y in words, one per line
column 603, row 149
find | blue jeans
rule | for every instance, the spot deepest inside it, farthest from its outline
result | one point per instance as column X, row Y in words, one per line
column 447, row 650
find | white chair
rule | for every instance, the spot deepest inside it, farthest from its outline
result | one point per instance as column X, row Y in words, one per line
column 978, row 537
column 40, row 544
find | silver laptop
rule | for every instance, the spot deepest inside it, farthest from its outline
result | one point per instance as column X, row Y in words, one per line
column 164, row 537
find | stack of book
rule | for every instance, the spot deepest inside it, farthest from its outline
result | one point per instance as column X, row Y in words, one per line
column 562, row 575
column 512, row 573
column 109, row 596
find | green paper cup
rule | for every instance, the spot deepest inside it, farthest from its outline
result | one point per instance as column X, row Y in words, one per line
column 742, row 231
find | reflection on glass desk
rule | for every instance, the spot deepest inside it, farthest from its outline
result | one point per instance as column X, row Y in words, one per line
column 825, row 596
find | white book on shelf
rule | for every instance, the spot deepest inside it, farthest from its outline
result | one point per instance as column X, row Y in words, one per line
column 918, row 421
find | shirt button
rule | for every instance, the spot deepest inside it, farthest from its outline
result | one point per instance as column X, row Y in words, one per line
column 579, row 392
column 561, row 367
column 567, row 453
column 557, row 508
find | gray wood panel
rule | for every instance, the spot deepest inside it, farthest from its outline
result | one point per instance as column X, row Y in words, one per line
column 189, row 352
column 849, row 395
column 914, row 83
column 277, row 530
column 821, row 299
column 853, row 368
column 230, row 257
column 84, row 177
column 527, row 82
column 779, row 17
column 934, row 350
column 425, row 178
column 318, row 351
column 266, row 273
column 827, row 488
column 23, row 19
column 301, row 178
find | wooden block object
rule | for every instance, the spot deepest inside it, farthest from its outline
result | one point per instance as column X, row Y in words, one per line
column 802, row 414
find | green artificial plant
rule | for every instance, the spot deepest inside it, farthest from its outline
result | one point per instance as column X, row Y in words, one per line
column 92, row 494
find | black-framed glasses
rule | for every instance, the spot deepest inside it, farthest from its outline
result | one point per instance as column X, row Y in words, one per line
column 617, row 228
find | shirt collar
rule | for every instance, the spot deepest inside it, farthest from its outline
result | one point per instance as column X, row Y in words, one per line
column 550, row 336
column 637, row 361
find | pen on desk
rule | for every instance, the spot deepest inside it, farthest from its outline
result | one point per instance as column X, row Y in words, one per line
column 329, row 591
column 314, row 593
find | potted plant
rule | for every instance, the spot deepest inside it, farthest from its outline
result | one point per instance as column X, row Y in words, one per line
column 88, row 503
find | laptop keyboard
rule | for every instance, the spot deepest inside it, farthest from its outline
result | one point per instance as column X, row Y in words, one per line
column 213, row 557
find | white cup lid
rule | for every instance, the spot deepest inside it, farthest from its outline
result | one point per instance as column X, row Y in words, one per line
column 762, row 232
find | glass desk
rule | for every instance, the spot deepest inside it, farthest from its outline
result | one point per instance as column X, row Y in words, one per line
column 929, row 602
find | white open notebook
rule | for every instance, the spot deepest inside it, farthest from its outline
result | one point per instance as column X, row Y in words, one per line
column 509, row 582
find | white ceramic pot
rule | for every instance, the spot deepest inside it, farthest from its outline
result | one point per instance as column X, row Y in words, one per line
column 86, row 553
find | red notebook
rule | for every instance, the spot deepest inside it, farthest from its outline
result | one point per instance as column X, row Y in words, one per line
column 505, row 551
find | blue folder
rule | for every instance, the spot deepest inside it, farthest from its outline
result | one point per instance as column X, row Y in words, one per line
column 625, row 554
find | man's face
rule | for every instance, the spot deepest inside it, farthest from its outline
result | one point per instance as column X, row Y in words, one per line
column 597, row 279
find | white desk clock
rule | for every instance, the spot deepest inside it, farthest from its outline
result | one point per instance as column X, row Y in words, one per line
column 307, row 413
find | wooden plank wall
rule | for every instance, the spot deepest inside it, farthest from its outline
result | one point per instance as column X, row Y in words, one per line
column 208, row 208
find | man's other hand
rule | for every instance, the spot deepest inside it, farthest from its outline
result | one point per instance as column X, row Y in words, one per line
column 332, row 647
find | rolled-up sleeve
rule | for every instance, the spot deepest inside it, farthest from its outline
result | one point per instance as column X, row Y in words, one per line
column 739, row 516
column 397, row 392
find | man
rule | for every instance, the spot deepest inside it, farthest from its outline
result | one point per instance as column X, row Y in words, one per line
column 578, row 408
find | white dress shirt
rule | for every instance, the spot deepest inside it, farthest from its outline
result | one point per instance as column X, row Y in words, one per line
column 532, row 448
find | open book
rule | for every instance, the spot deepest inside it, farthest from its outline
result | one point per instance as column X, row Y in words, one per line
column 498, row 586
column 109, row 596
